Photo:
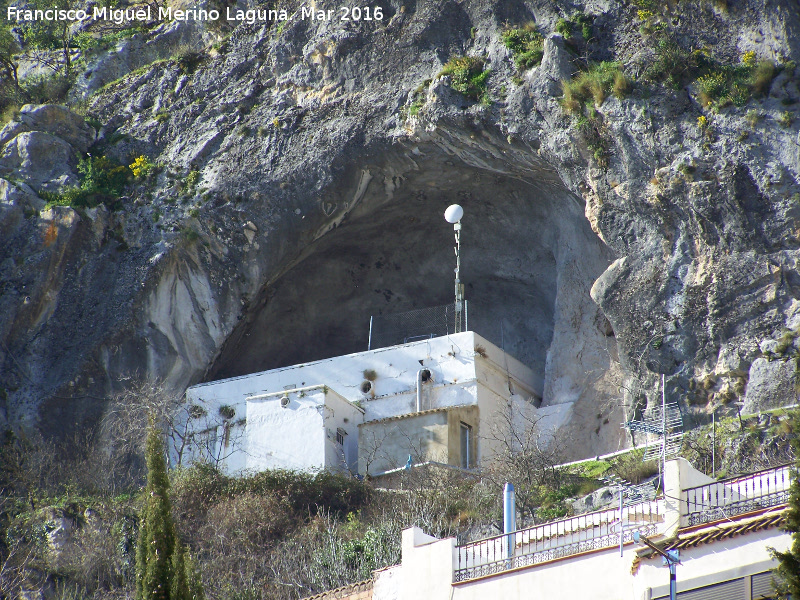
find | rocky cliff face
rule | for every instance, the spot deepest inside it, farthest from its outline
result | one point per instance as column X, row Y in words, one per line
column 305, row 169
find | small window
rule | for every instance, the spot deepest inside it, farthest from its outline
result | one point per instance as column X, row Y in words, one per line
column 340, row 435
column 466, row 442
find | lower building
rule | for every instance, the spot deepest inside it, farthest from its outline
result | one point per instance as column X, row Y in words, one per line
column 722, row 531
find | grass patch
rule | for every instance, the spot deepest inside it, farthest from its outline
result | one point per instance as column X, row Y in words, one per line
column 600, row 81
column 467, row 76
column 673, row 65
column 417, row 100
column 89, row 42
column 188, row 60
column 526, row 45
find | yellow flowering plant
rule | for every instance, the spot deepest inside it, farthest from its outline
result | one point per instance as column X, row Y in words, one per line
column 141, row 167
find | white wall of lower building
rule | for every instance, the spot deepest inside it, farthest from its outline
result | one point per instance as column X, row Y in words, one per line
column 297, row 430
column 427, row 571
column 713, row 563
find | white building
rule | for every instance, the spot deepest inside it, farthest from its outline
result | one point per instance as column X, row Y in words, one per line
column 723, row 531
column 309, row 416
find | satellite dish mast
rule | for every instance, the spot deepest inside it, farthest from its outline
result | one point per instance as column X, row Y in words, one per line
column 453, row 215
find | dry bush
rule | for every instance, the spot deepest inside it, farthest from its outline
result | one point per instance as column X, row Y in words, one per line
column 630, row 467
column 101, row 556
column 235, row 539
column 247, row 523
column 442, row 502
column 17, row 570
column 527, row 458
column 327, row 553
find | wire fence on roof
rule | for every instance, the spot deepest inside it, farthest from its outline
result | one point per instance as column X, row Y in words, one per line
column 418, row 324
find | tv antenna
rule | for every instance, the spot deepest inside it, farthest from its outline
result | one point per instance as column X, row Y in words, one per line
column 664, row 423
column 629, row 494
column 453, row 215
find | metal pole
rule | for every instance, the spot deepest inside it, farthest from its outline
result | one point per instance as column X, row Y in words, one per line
column 509, row 518
column 369, row 342
column 672, row 558
column 663, row 458
column 459, row 289
column 621, row 528
column 673, row 584
column 714, row 443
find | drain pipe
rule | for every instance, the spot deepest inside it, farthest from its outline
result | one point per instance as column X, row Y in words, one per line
column 509, row 518
column 423, row 375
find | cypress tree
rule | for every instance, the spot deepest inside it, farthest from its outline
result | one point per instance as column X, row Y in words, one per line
column 194, row 582
column 787, row 583
column 156, row 542
column 179, row 590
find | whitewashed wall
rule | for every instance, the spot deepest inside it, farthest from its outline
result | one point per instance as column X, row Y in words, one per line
column 291, row 437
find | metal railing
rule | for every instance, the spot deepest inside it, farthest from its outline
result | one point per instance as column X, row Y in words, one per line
column 421, row 323
column 592, row 531
column 734, row 496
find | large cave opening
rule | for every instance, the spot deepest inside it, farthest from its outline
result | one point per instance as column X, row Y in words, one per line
column 529, row 258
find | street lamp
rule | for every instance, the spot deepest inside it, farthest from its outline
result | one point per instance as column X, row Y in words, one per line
column 671, row 558
column 453, row 215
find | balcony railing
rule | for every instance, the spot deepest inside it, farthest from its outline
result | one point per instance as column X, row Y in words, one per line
column 592, row 531
column 734, row 496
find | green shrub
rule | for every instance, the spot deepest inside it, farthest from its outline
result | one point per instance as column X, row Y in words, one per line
column 630, row 467
column 712, row 86
column 141, row 166
column 46, row 89
column 564, row 28
column 93, row 122
column 102, row 182
column 735, row 84
column 467, row 76
column 585, row 22
column 526, row 45
column 597, row 141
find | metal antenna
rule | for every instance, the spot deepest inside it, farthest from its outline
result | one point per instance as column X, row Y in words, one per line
column 453, row 215
column 666, row 423
column 629, row 495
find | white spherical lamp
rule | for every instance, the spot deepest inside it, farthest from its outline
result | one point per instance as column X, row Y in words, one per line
column 453, row 213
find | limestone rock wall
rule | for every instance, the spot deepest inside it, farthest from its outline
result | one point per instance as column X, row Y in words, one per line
column 299, row 193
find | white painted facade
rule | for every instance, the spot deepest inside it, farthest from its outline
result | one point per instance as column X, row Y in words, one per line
column 304, row 429
column 464, row 368
column 734, row 567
